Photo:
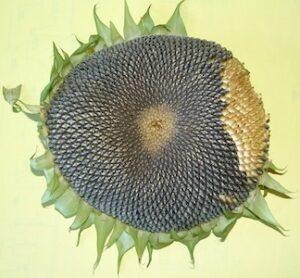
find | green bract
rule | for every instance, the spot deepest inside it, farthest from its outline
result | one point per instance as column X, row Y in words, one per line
column 111, row 231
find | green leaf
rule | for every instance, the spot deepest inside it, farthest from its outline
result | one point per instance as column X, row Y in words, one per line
column 102, row 29
column 175, row 23
column 42, row 162
column 67, row 204
column 267, row 181
column 146, row 23
column 82, row 215
column 117, row 231
column 223, row 227
column 12, row 95
column 104, row 225
column 131, row 29
column 115, row 35
column 160, row 30
column 88, row 223
column 124, row 244
column 259, row 208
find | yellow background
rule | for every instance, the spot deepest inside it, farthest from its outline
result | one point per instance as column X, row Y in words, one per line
column 35, row 242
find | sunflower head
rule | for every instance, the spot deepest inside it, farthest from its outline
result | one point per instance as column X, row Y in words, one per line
column 152, row 138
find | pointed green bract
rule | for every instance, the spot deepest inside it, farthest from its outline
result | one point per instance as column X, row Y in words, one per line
column 50, row 197
column 53, row 184
column 79, row 41
column 270, row 167
column 178, row 235
column 45, row 93
column 67, row 67
column 208, row 226
column 82, row 215
column 48, row 174
column 57, row 64
column 102, row 29
column 223, row 227
column 190, row 243
column 124, row 244
column 67, row 203
column 115, row 35
column 164, row 238
column 160, row 240
column 42, row 162
column 150, row 251
column 141, row 243
column 146, row 23
column 267, row 181
column 175, row 23
column 131, row 29
column 104, row 225
column 261, row 210
column 117, row 231
column 160, row 30
column 88, row 223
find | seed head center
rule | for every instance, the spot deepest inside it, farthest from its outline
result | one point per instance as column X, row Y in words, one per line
column 156, row 126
